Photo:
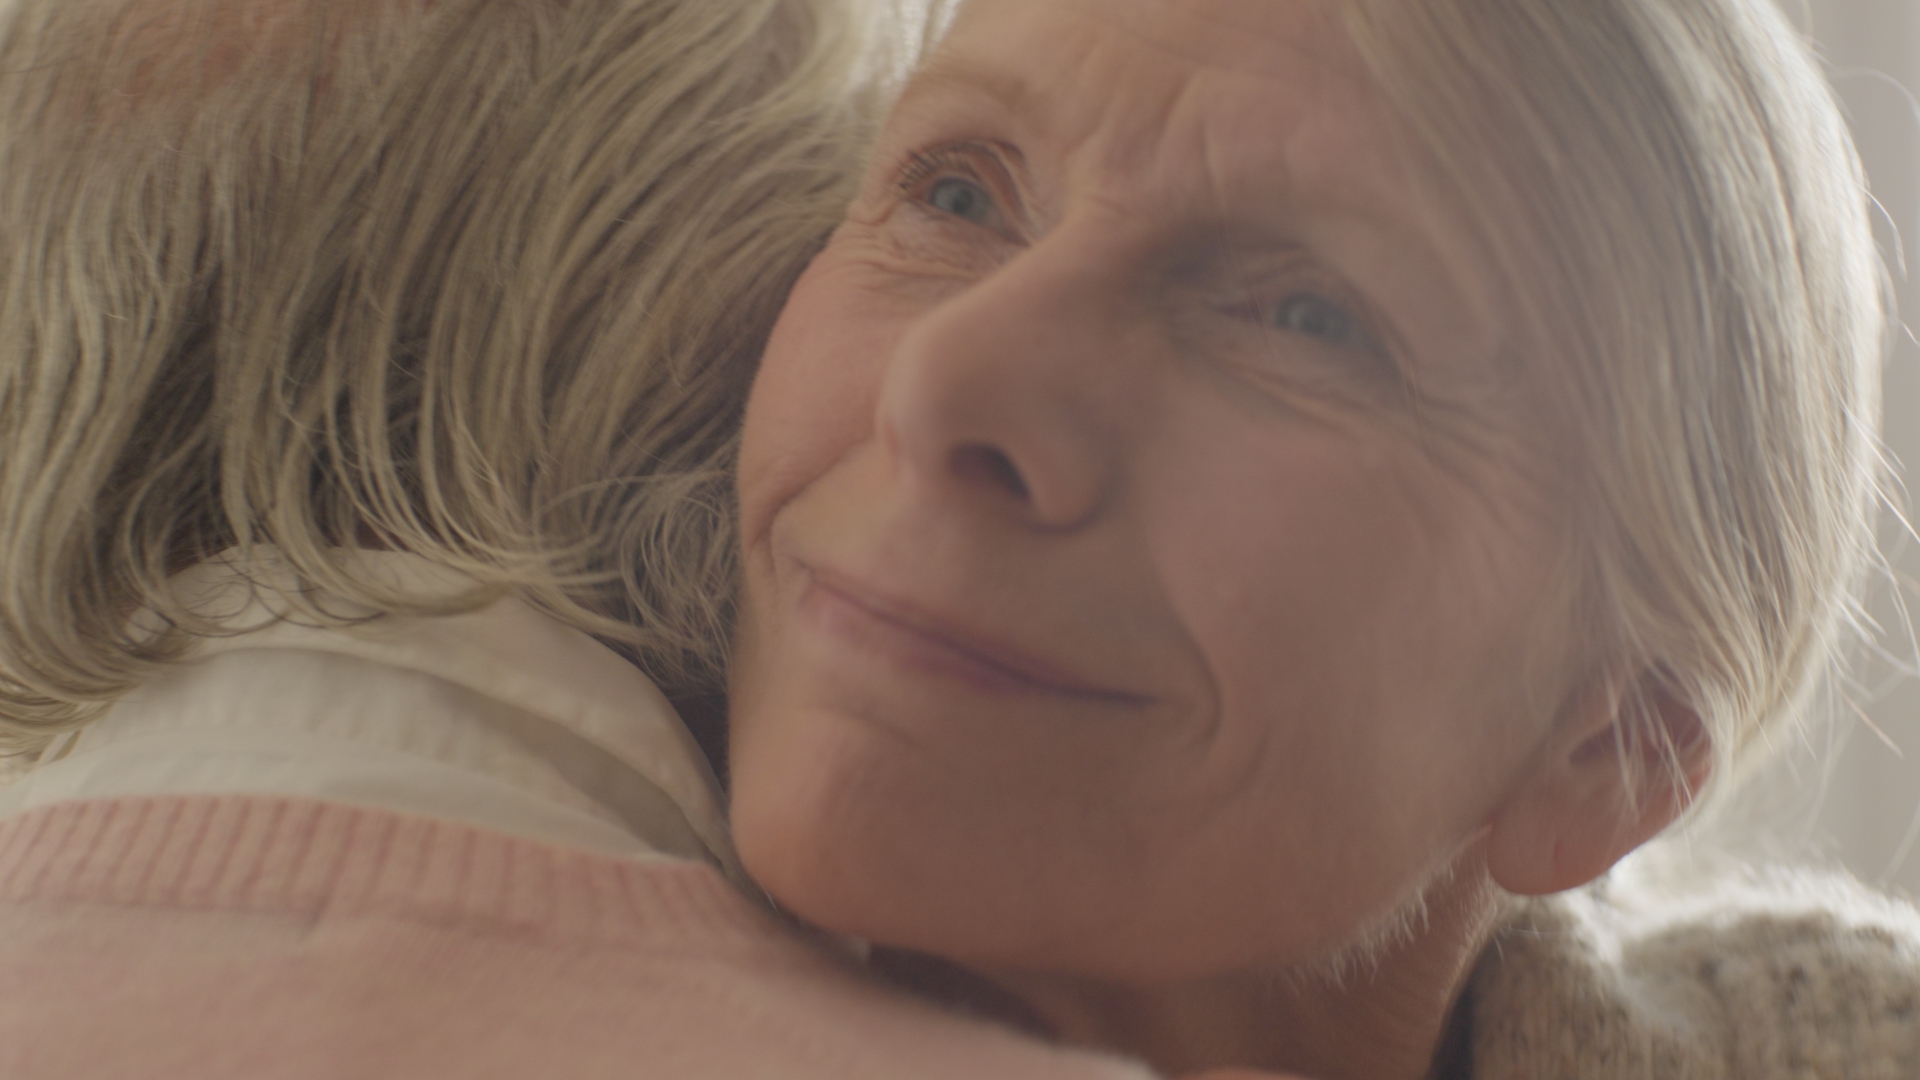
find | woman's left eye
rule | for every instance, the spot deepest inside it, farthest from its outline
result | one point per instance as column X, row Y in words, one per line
column 1315, row 316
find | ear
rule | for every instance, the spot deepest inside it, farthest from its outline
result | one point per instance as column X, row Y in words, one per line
column 1623, row 762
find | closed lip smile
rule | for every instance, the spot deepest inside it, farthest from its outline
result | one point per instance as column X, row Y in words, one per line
column 922, row 640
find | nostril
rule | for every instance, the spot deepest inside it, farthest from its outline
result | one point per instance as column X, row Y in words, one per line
column 991, row 465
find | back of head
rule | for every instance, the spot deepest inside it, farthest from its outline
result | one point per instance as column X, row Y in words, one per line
column 483, row 281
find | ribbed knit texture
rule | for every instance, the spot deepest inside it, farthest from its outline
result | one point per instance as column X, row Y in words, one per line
column 219, row 937
column 292, row 857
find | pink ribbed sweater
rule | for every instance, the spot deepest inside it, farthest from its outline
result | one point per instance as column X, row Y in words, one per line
column 213, row 937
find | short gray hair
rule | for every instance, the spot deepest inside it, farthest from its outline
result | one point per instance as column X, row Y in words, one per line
column 1671, row 192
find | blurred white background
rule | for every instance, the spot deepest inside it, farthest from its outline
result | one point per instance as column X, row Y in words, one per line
column 1854, row 791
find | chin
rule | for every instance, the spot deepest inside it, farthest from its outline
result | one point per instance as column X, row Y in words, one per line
column 803, row 823
column 842, row 856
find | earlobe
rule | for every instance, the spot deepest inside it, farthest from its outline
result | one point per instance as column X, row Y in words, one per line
column 1624, row 764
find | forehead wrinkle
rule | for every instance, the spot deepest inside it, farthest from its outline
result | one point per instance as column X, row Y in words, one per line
column 1310, row 176
column 1151, row 125
column 1231, row 161
column 949, row 71
column 1282, row 35
column 1323, row 173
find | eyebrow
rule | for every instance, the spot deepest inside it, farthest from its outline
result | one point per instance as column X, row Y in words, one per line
column 949, row 71
column 1009, row 92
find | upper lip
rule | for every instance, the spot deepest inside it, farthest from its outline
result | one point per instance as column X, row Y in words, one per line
column 1012, row 664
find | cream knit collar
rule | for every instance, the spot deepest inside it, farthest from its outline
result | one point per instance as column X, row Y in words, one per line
column 500, row 717
column 1785, row 974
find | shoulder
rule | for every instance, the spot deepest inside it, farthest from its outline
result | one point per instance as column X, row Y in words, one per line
column 1758, row 975
column 244, row 937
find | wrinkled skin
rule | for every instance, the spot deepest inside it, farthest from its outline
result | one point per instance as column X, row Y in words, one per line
column 1149, row 560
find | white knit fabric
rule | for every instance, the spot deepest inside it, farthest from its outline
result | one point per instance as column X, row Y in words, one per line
column 1775, row 975
column 501, row 718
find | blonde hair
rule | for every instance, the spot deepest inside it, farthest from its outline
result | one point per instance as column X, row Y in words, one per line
column 484, row 282
column 1671, row 194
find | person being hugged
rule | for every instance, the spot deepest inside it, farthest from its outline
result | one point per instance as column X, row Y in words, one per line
column 1256, row 488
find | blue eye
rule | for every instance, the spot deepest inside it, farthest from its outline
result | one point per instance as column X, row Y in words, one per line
column 961, row 198
column 1316, row 317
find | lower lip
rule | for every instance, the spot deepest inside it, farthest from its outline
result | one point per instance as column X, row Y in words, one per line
column 847, row 620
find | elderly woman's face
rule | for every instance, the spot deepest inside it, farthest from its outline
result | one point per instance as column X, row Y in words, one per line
column 1144, row 551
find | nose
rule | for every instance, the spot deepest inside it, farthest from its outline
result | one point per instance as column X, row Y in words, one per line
column 1017, row 393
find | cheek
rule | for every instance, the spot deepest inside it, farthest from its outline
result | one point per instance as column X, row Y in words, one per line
column 813, row 398
column 1368, row 687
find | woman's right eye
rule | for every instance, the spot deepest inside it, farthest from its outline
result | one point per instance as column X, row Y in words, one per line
column 958, row 182
column 961, row 198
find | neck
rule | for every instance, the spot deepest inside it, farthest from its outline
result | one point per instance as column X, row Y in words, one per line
column 1388, row 1016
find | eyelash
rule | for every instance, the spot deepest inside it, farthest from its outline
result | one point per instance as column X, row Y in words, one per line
column 962, row 161
column 1362, row 341
column 923, row 165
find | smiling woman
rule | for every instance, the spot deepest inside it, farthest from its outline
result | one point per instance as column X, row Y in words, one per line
column 1121, row 437
column 1253, row 486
